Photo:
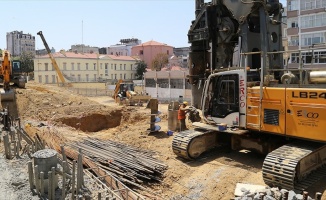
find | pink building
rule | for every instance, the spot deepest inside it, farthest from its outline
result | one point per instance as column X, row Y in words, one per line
column 148, row 51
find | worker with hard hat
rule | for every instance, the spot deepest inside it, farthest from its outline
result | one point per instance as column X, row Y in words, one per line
column 182, row 115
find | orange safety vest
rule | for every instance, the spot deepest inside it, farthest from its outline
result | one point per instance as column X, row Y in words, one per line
column 181, row 114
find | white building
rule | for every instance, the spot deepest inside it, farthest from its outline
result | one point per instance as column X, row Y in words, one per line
column 124, row 48
column 18, row 42
column 168, row 85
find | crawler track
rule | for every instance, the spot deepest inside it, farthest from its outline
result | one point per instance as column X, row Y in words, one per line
column 192, row 143
column 295, row 166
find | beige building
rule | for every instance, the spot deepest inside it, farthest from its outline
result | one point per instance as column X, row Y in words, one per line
column 77, row 67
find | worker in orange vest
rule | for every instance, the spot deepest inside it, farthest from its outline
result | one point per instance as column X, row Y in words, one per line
column 182, row 115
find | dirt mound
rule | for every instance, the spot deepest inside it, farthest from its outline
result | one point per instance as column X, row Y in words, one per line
column 94, row 122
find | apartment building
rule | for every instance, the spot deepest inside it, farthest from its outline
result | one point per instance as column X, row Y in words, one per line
column 124, row 48
column 87, row 67
column 18, row 42
column 306, row 28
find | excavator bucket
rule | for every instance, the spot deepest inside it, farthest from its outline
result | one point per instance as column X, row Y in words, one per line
column 7, row 95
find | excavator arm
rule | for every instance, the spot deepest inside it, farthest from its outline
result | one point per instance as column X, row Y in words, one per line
column 54, row 63
column 6, row 71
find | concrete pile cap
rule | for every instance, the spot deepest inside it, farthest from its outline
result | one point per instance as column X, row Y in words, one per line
column 45, row 153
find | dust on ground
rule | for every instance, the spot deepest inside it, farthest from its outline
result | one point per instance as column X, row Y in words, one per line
column 213, row 176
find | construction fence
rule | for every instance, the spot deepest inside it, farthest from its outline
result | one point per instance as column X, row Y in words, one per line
column 91, row 92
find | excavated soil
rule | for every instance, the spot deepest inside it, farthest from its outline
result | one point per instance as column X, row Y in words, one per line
column 64, row 117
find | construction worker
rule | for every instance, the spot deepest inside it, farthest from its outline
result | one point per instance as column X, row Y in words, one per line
column 182, row 115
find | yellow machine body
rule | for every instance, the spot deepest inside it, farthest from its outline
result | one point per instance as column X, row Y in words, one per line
column 293, row 112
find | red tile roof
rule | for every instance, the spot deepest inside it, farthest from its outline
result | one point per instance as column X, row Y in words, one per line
column 152, row 43
column 87, row 55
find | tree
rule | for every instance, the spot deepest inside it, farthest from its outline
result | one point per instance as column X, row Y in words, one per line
column 140, row 69
column 26, row 62
column 160, row 60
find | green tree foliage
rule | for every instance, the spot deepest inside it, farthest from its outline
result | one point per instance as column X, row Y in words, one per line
column 160, row 60
column 140, row 69
column 26, row 62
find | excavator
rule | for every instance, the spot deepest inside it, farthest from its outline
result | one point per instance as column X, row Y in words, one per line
column 8, row 75
column 124, row 92
column 248, row 99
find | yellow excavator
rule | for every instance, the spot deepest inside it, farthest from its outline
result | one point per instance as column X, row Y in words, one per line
column 124, row 92
column 9, row 76
column 248, row 99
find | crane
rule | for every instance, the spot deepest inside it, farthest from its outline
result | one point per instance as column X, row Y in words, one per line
column 54, row 63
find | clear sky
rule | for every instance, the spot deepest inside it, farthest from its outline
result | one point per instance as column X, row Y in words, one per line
column 98, row 23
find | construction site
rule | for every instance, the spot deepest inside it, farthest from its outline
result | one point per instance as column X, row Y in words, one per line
column 255, row 128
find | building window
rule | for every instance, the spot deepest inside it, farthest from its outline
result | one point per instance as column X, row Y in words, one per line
column 130, row 66
column 40, row 79
column 124, row 67
column 87, row 78
column 106, row 71
column 120, row 76
column 64, row 66
column 293, row 23
column 313, row 21
column 320, row 57
column 111, row 66
column 46, row 66
column 86, row 66
column 115, row 66
column 53, row 78
column 72, row 66
column 294, row 58
column 124, row 76
column 310, row 39
column 101, row 65
column 294, row 41
column 115, row 76
column 141, row 52
column 79, row 78
column 293, row 5
column 94, row 66
column 46, row 79
column 78, row 66
column 120, row 66
column 111, row 76
column 312, row 4
column 94, row 77
column 167, row 52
